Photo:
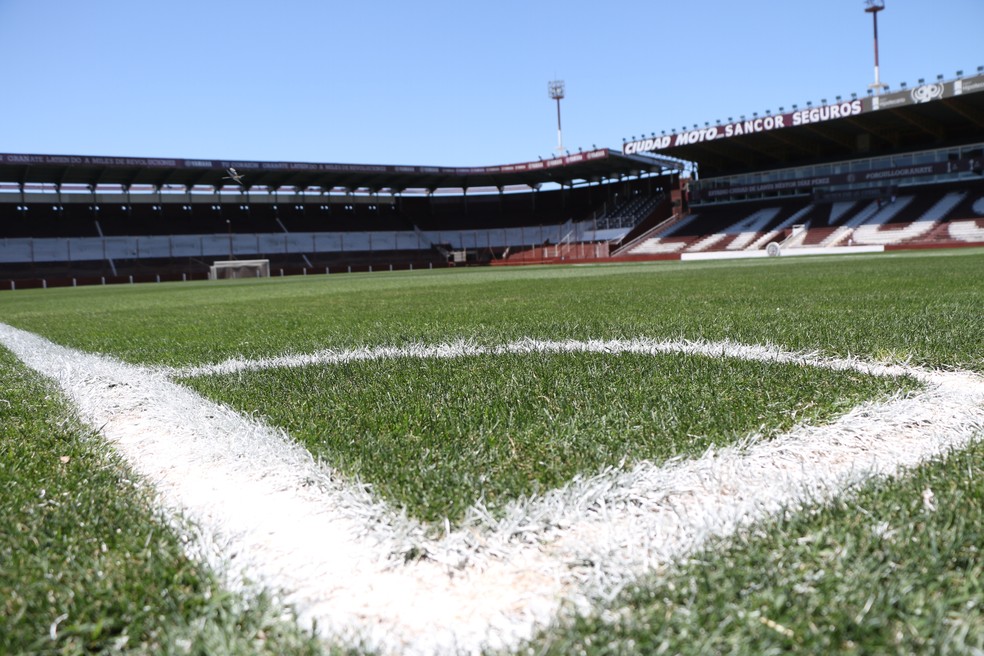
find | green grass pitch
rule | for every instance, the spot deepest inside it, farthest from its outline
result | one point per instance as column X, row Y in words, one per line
column 88, row 563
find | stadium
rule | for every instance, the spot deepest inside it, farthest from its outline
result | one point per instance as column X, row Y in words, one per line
column 716, row 389
column 886, row 171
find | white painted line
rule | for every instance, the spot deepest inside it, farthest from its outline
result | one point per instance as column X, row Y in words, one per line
column 267, row 510
column 644, row 346
column 786, row 252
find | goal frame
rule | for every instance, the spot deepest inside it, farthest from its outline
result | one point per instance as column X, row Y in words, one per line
column 239, row 269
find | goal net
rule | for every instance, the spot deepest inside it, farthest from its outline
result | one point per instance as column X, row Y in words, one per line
column 239, row 269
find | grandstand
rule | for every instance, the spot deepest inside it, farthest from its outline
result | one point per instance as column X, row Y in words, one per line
column 895, row 170
column 75, row 220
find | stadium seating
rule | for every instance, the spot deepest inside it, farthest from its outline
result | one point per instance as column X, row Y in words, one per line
column 86, row 237
column 914, row 216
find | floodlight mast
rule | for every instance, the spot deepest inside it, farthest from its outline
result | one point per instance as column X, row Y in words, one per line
column 873, row 7
column 556, row 90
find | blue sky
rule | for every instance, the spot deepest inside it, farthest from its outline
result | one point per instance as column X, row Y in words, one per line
column 437, row 82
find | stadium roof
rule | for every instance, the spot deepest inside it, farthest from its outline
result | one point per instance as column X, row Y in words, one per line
column 935, row 115
column 594, row 165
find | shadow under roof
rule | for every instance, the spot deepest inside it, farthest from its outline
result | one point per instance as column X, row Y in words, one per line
column 591, row 166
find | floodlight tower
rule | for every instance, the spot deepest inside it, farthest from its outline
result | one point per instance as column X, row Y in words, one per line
column 873, row 7
column 556, row 90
